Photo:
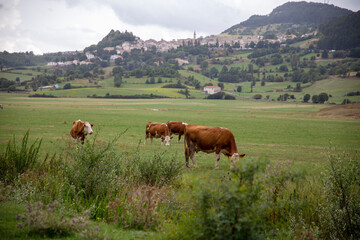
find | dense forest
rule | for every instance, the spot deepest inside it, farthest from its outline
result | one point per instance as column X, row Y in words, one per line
column 310, row 14
column 341, row 33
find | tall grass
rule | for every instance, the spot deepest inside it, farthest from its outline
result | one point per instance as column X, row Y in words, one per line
column 18, row 159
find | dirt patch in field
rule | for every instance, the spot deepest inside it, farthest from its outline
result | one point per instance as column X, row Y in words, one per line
column 350, row 111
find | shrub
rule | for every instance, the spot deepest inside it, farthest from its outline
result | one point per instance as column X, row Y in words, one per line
column 340, row 213
column 229, row 97
column 91, row 168
column 157, row 170
column 136, row 208
column 49, row 220
column 257, row 96
column 18, row 159
column 306, row 97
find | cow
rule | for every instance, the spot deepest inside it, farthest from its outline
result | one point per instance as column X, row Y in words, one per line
column 1, row 107
column 209, row 140
column 177, row 128
column 80, row 129
column 157, row 130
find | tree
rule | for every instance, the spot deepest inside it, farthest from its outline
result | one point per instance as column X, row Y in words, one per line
column 323, row 97
column 239, row 89
column 324, row 54
column 298, row 87
column 187, row 93
column 117, row 80
column 67, row 86
column 315, row 99
column 307, row 97
column 221, row 85
column 204, row 65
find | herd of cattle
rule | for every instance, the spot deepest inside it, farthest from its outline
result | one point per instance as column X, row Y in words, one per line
column 196, row 138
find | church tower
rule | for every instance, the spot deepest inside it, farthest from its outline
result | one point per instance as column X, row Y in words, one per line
column 194, row 38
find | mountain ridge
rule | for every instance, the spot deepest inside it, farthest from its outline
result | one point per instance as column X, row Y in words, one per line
column 288, row 13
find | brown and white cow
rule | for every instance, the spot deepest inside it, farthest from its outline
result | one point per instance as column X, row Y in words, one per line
column 209, row 140
column 177, row 128
column 80, row 129
column 157, row 130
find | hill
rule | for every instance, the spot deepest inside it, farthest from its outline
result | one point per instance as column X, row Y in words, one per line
column 288, row 13
column 341, row 33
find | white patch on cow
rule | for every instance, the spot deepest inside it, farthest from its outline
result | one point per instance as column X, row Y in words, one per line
column 155, row 109
column 184, row 123
column 167, row 141
column 87, row 128
column 235, row 157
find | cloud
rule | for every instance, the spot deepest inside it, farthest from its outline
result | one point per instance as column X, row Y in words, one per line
column 61, row 25
column 9, row 15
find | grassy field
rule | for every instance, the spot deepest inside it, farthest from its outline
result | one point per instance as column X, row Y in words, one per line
column 281, row 131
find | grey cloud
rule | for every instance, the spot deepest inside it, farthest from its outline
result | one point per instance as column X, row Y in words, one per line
column 206, row 16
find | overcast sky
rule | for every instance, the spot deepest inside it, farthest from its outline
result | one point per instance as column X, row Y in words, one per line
column 64, row 25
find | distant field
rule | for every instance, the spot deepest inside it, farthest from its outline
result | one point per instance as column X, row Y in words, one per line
column 280, row 131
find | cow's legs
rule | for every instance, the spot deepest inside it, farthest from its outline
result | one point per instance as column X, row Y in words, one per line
column 151, row 139
column 146, row 136
column 192, row 158
column 179, row 138
column 217, row 158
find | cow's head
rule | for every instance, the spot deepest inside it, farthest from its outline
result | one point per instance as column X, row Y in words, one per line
column 167, row 141
column 236, row 157
column 87, row 128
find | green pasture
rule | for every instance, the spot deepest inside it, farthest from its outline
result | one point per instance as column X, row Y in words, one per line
column 280, row 131
column 12, row 76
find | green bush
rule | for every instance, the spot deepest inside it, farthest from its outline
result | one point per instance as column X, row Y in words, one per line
column 18, row 158
column 340, row 212
column 157, row 170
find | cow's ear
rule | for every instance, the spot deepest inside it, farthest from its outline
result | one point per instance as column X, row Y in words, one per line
column 242, row 155
column 91, row 124
column 171, row 137
column 73, row 122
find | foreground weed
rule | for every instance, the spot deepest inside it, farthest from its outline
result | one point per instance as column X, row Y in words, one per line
column 340, row 213
column 49, row 220
column 18, row 158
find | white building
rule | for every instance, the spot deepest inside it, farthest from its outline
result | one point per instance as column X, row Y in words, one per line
column 211, row 90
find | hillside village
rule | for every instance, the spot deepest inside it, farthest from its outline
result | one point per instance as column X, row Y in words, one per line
column 213, row 42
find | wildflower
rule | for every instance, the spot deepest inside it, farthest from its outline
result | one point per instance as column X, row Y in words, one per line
column 28, row 208
column 73, row 219
column 50, row 205
column 56, row 202
column 38, row 203
column 19, row 226
column 31, row 223
column 17, row 217
column 97, row 227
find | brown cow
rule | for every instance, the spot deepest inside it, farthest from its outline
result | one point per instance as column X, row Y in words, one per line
column 177, row 128
column 80, row 129
column 209, row 140
column 157, row 130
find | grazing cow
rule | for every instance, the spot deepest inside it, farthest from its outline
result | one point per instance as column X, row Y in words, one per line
column 209, row 140
column 177, row 128
column 1, row 107
column 80, row 129
column 157, row 130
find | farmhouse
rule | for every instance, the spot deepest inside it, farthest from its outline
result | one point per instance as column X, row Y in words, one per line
column 211, row 90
